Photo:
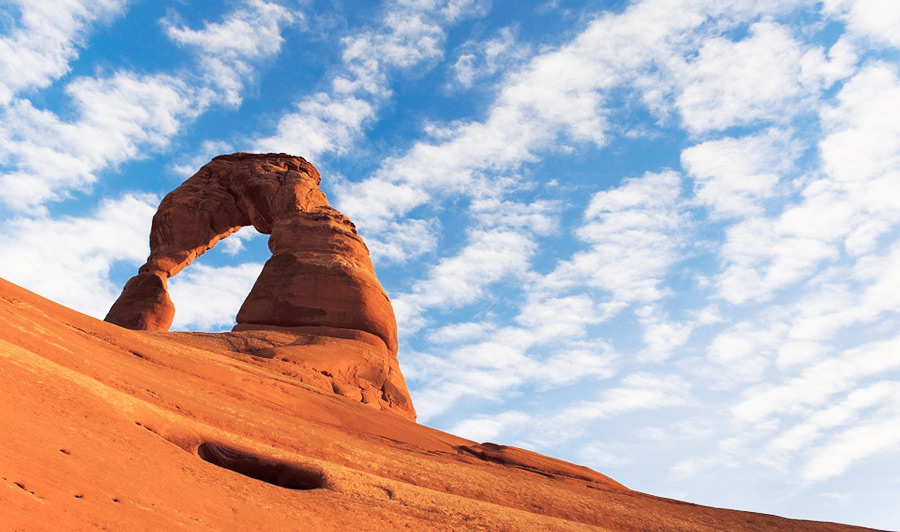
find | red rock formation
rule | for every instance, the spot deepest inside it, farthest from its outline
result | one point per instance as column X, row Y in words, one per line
column 105, row 428
column 320, row 275
column 319, row 281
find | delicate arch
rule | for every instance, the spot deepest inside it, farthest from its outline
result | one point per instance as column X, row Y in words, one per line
column 319, row 275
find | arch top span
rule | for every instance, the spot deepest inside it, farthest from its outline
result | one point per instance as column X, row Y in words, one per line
column 230, row 192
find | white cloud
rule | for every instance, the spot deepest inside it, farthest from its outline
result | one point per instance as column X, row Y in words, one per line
column 634, row 235
column 460, row 332
column 680, row 430
column 849, row 205
column 408, row 34
column 574, row 361
column 872, row 19
column 227, row 49
column 234, row 244
column 820, row 70
column 637, row 392
column 208, row 150
column 68, row 259
column 863, row 141
column 403, row 240
column 724, row 455
column 662, row 336
column 601, row 455
column 208, row 298
column 802, row 331
column 817, row 383
column 763, row 255
column 733, row 176
column 499, row 360
column 736, row 83
column 481, row 59
column 118, row 118
column 454, row 10
column 555, row 94
column 847, row 413
column 448, row 383
column 122, row 116
column 632, row 221
column 549, row 317
column 854, row 444
column 863, row 295
column 320, row 124
column 489, row 256
column 746, row 346
column 46, row 39
column 489, row 428
column 538, row 217
column 253, row 31
column 557, row 97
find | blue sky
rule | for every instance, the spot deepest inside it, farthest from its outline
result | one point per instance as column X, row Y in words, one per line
column 659, row 238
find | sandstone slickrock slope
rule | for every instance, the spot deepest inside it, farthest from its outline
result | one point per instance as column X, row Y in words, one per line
column 318, row 286
column 105, row 428
column 299, row 419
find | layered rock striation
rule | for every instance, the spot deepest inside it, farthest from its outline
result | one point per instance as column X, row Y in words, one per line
column 319, row 281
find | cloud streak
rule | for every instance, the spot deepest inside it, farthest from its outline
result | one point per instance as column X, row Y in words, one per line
column 46, row 37
column 408, row 35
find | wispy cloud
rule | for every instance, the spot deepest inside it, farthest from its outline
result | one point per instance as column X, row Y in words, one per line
column 116, row 119
column 633, row 234
column 207, row 298
column 844, row 210
column 227, row 50
column 68, row 259
column 493, row 365
column 817, row 383
column 752, row 203
column 868, row 19
column 854, row 444
column 488, row 257
column 734, row 176
column 738, row 83
column 45, row 38
column 839, row 414
column 408, row 34
column 555, row 99
column 639, row 391
column 478, row 60
column 120, row 117
column 110, row 120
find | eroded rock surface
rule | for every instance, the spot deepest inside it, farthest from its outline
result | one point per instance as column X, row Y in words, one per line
column 320, row 274
column 108, row 428
column 319, row 280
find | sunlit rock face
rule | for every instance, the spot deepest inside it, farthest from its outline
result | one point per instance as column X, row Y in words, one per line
column 320, row 275
column 319, row 281
column 115, row 429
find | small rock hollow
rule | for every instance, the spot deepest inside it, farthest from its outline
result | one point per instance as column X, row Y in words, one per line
column 264, row 469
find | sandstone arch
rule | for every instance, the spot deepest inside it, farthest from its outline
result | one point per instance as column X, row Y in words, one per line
column 316, row 307
column 320, row 276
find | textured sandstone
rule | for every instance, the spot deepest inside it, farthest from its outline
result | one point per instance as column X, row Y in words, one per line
column 105, row 428
column 320, row 274
column 147, row 306
column 319, row 280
